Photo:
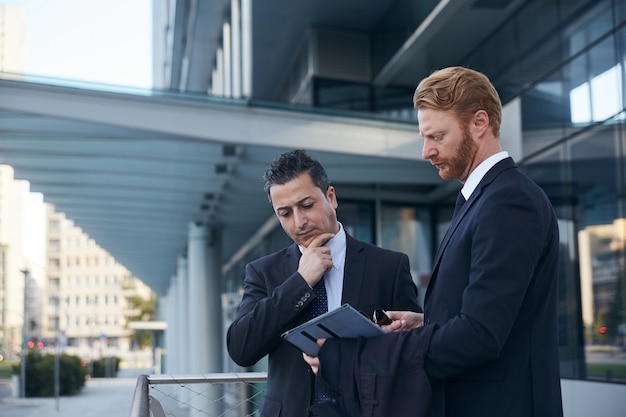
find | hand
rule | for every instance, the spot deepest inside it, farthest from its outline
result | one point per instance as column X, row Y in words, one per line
column 403, row 320
column 313, row 361
column 316, row 259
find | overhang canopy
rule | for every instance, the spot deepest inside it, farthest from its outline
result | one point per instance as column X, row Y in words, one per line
column 133, row 171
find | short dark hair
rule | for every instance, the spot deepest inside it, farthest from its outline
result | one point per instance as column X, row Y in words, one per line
column 292, row 164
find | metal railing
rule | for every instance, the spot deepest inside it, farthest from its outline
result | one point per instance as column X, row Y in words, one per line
column 210, row 395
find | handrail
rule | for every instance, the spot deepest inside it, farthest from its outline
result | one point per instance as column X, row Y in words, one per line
column 213, row 377
column 141, row 404
column 144, row 404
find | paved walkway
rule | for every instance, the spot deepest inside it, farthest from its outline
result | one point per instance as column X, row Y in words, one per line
column 100, row 397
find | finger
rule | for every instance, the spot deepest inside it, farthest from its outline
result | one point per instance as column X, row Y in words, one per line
column 320, row 341
column 395, row 326
column 321, row 240
column 394, row 315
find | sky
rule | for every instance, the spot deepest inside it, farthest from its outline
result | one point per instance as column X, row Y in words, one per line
column 103, row 41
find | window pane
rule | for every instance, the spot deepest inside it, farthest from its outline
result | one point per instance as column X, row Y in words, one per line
column 407, row 229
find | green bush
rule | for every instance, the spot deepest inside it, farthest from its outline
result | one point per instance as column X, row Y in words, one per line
column 7, row 369
column 607, row 371
column 105, row 367
column 40, row 374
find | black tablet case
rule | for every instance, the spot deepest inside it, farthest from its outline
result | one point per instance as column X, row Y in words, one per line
column 344, row 321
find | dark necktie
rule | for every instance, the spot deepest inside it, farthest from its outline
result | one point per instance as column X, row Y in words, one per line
column 460, row 200
column 320, row 306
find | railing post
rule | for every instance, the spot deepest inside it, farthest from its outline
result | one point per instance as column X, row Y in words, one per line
column 141, row 403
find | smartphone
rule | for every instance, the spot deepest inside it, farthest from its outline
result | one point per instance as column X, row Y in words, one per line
column 381, row 318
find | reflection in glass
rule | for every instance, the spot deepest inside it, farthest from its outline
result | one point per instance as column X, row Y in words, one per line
column 406, row 229
column 590, row 205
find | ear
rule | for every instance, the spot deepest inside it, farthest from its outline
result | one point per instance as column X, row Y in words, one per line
column 479, row 123
column 330, row 195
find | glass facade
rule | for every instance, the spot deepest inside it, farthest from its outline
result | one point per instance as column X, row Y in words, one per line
column 565, row 61
column 571, row 88
column 572, row 99
column 408, row 229
column 584, row 178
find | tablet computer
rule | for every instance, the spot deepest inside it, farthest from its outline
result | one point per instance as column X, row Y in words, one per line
column 344, row 321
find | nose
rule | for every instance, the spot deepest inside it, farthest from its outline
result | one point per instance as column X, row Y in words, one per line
column 428, row 150
column 300, row 219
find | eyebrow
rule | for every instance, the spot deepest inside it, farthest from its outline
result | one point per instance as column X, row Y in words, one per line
column 299, row 202
column 435, row 133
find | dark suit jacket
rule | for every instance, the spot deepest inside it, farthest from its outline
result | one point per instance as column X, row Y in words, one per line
column 276, row 298
column 388, row 376
column 493, row 298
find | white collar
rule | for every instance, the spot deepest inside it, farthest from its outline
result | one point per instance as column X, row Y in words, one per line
column 479, row 172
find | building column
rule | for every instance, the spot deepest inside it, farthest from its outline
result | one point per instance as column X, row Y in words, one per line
column 217, row 88
column 182, row 317
column 227, row 60
column 511, row 129
column 205, row 299
column 171, row 336
column 235, row 24
column 205, row 311
column 246, row 48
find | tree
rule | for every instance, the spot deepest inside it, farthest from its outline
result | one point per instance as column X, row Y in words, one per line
column 146, row 311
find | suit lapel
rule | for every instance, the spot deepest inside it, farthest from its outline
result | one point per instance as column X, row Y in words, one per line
column 489, row 177
column 353, row 272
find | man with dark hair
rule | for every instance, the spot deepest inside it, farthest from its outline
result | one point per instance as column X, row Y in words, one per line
column 281, row 290
column 487, row 342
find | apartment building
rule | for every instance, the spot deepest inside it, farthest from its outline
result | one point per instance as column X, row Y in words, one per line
column 88, row 294
column 12, row 39
column 21, row 262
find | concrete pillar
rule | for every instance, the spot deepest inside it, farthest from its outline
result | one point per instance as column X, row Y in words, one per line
column 205, row 310
column 246, row 48
column 511, row 129
column 182, row 317
column 235, row 24
column 227, row 59
column 205, row 305
column 171, row 344
column 217, row 89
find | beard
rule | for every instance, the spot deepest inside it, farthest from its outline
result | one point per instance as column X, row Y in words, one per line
column 457, row 166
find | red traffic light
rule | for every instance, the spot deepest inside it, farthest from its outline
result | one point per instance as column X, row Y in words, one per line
column 30, row 344
column 602, row 329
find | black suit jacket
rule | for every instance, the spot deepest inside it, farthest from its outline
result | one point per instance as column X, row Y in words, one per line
column 493, row 300
column 276, row 298
column 388, row 378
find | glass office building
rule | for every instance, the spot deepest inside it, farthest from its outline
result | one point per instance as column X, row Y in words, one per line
column 564, row 64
